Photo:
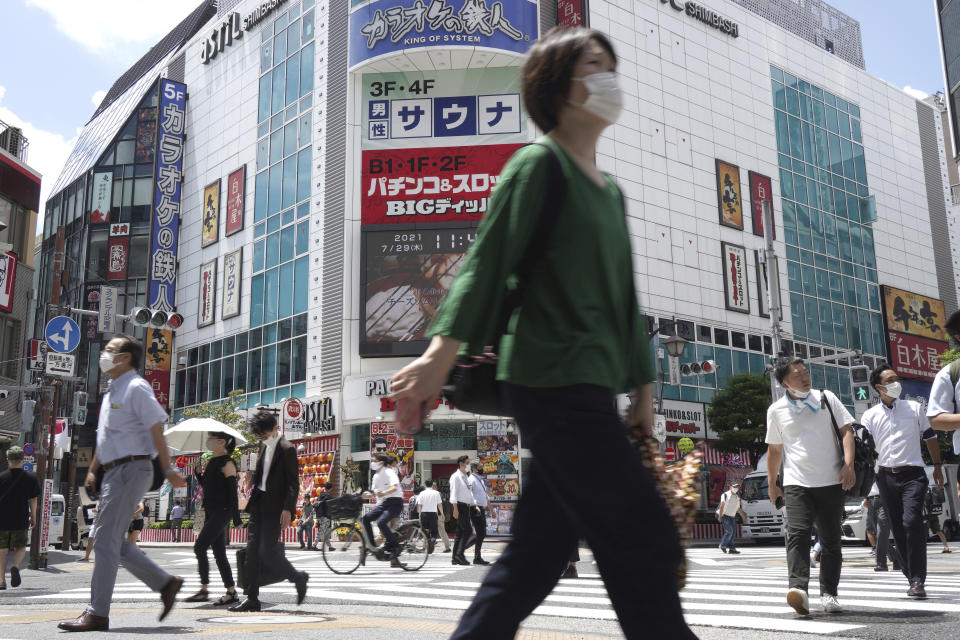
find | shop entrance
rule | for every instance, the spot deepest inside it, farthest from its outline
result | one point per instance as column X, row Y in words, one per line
column 441, row 477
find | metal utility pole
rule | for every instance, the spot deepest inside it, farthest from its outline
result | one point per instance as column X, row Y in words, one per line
column 769, row 259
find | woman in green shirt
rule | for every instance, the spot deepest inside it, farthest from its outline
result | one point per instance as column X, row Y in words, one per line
column 576, row 340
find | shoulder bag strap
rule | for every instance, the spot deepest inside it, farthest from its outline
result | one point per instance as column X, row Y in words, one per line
column 836, row 430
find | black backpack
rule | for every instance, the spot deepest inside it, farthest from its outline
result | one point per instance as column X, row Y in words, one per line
column 865, row 455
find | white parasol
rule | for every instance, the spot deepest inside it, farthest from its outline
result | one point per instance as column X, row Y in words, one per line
column 191, row 434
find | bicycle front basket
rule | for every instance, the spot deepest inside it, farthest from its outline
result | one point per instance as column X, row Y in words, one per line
column 348, row 506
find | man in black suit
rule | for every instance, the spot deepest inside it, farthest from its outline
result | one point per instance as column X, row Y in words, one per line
column 276, row 487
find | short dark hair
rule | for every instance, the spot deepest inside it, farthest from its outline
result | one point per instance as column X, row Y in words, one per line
column 262, row 422
column 876, row 373
column 230, row 440
column 953, row 325
column 328, row 486
column 548, row 69
column 132, row 346
column 463, row 459
column 385, row 458
column 783, row 369
column 428, row 483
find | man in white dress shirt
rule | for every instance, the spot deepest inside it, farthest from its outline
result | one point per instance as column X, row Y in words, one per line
column 478, row 516
column 897, row 427
column 944, row 406
column 463, row 503
column 430, row 509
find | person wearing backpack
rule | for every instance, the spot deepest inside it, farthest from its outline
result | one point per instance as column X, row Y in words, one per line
column 944, row 406
column 897, row 427
column 727, row 512
column 801, row 434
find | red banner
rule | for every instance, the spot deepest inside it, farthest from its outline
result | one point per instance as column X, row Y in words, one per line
column 915, row 357
column 570, row 13
column 760, row 191
column 236, row 183
column 450, row 184
column 118, row 254
column 8, row 280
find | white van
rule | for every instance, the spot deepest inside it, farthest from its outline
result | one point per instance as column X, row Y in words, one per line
column 764, row 522
column 57, row 511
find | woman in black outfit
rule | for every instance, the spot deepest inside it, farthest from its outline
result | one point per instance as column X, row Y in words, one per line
column 219, row 482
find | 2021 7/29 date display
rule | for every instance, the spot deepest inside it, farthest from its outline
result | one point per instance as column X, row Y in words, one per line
column 394, row 243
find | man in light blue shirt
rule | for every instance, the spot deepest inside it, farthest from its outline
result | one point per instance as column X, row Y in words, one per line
column 129, row 436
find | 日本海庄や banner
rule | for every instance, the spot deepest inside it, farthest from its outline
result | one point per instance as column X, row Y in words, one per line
column 165, row 217
column 383, row 27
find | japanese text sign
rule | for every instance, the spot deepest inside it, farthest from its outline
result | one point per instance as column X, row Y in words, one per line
column 760, row 191
column 915, row 357
column 158, row 360
column 570, row 13
column 914, row 314
column 165, row 216
column 102, row 196
column 210, row 226
column 735, row 277
column 231, row 283
column 236, row 183
column 208, row 293
column 118, row 255
column 451, row 184
column 383, row 27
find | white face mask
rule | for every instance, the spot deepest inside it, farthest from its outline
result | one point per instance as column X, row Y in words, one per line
column 604, row 99
column 106, row 362
column 734, row 489
column 800, row 395
column 894, row 389
column 376, row 466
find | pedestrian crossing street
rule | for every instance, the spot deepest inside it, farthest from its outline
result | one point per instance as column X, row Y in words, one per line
column 721, row 591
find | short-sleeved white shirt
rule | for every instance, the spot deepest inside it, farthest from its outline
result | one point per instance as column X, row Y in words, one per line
column 945, row 398
column 811, row 454
column 383, row 480
column 429, row 500
column 731, row 503
column 897, row 432
column 128, row 411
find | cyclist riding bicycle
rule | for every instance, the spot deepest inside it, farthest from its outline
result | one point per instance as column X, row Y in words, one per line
column 386, row 487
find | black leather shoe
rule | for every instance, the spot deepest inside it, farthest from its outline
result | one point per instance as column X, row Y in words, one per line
column 480, row 561
column 881, row 567
column 459, row 561
column 301, row 583
column 169, row 596
column 86, row 622
column 248, row 604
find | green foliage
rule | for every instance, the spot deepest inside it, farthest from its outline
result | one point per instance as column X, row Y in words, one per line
column 738, row 413
column 949, row 356
column 227, row 412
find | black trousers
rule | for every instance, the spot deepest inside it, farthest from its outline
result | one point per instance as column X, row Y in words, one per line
column 807, row 506
column 478, row 518
column 633, row 537
column 464, row 529
column 211, row 537
column 431, row 525
column 266, row 562
column 902, row 495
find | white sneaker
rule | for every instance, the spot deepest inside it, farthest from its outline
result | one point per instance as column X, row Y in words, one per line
column 797, row 598
column 830, row 604
column 813, row 560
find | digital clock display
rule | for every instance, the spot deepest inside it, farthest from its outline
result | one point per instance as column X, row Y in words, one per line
column 407, row 274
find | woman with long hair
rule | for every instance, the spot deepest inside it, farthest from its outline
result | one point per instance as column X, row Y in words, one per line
column 575, row 341
column 219, row 482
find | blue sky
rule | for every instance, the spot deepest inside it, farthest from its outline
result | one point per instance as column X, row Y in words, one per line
column 71, row 51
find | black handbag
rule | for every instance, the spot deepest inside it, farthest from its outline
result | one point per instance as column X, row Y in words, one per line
column 865, row 456
column 472, row 385
column 156, row 483
column 268, row 568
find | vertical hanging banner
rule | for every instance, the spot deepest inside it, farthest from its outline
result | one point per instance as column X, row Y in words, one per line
column 157, row 363
column 8, row 278
column 236, row 183
column 102, row 195
column 729, row 198
column 760, row 191
column 118, row 255
column 232, row 267
column 735, row 277
column 210, row 231
column 208, row 293
column 385, row 439
column 165, row 215
column 499, row 454
column 572, row 13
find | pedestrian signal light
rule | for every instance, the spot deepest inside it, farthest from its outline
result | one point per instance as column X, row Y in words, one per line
column 860, row 382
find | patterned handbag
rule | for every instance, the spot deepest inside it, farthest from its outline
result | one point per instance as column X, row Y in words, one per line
column 679, row 486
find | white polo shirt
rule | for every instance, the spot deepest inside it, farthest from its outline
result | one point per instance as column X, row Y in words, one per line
column 811, row 453
column 897, row 432
column 945, row 398
column 429, row 500
column 383, row 480
column 128, row 411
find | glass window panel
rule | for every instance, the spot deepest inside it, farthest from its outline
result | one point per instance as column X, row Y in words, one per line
column 299, row 322
column 786, row 183
column 305, row 130
column 836, row 287
column 256, row 300
column 276, row 146
column 819, row 117
column 843, row 120
column 279, row 86
column 273, row 250
column 776, row 73
column 270, row 333
column 283, row 363
column 274, row 223
column 741, row 362
column 799, row 188
column 271, row 295
column 260, row 197
column 226, row 377
column 853, row 329
column 203, row 383
column 301, row 285
column 290, row 138
column 757, row 364
column 841, row 104
column 817, row 377
column 806, row 108
column 823, row 284
column 855, row 130
column 288, row 216
column 724, row 365
column 796, row 137
column 836, row 157
column 293, row 79
column 803, row 227
column 284, row 328
column 796, row 315
column 813, row 193
column 809, row 280
column 869, row 257
column 299, row 359
column 276, row 121
column 258, row 255
column 859, row 164
column 306, row 69
column 269, row 375
column 790, row 236
column 263, row 108
column 849, row 291
column 783, row 134
column 289, row 181
column 793, row 102
column 813, row 319
column 853, row 208
column 266, row 57
column 263, row 153
column 276, row 189
column 255, row 337
column 840, row 202
column 794, row 275
column 877, row 330
column 303, row 237
column 286, row 290
column 809, row 153
column 831, row 115
column 846, row 153
column 816, row 231
column 279, row 48
column 856, row 244
column 829, row 98
column 830, row 235
column 789, row 213
column 290, row 113
column 303, row 174
column 293, row 35
column 240, row 381
column 779, row 95
column 826, row 323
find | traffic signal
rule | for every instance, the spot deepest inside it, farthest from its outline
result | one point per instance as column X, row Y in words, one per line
column 698, row 368
column 80, row 407
column 144, row 317
column 860, row 382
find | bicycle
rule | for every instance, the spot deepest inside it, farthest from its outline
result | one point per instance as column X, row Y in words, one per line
column 351, row 547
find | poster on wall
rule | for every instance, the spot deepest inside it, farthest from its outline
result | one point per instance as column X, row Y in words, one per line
column 208, row 293
column 915, row 357
column 763, row 297
column 729, row 197
column 157, row 363
column 499, row 453
column 430, row 184
column 913, row 313
column 210, row 231
column 232, row 267
column 442, row 108
column 118, row 255
column 734, row 260
column 385, row 439
column 406, row 275
column 236, row 183
column 8, row 280
column 383, row 27
column 102, row 196
column 761, row 190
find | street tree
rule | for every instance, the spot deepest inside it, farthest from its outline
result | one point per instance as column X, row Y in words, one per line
column 738, row 413
column 228, row 412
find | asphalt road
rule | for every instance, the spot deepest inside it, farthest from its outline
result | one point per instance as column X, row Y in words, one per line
column 728, row 597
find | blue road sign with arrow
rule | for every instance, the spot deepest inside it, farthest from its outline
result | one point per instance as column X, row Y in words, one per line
column 62, row 334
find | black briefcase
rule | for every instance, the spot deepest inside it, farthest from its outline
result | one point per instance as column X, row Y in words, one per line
column 267, row 567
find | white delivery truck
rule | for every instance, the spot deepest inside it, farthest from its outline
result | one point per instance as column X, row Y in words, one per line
column 57, row 510
column 764, row 522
